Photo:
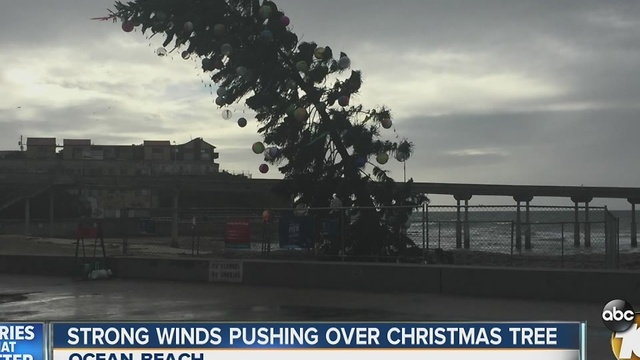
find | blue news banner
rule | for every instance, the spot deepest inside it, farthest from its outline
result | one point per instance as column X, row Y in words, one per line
column 290, row 341
column 23, row 341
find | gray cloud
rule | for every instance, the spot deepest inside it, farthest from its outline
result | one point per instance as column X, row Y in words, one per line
column 492, row 91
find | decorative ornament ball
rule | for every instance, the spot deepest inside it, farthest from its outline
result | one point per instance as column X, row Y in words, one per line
column 344, row 62
column 241, row 70
column 382, row 158
column 267, row 155
column 264, row 168
column 186, row 55
column 401, row 156
column 319, row 53
column 258, row 147
column 266, row 36
column 291, row 84
column 302, row 66
column 161, row 16
column 226, row 114
column 226, row 49
column 274, row 152
column 285, row 21
column 291, row 109
column 321, row 106
column 222, row 91
column 386, row 123
column 219, row 30
column 188, row 26
column 360, row 161
column 221, row 101
column 127, row 26
column 301, row 114
column 343, row 101
column 265, row 12
column 242, row 122
column 161, row 51
column 218, row 64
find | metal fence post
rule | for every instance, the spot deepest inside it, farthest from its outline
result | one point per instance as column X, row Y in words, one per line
column 425, row 232
column 562, row 245
column 439, row 234
column 125, row 231
column 511, row 247
column 518, row 228
column 467, row 235
column 458, row 227
column 342, row 223
column 617, row 242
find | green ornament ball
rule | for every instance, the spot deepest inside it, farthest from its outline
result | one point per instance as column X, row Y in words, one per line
column 219, row 29
column 302, row 66
column 258, row 147
column 265, row 12
column 291, row 110
column 382, row 158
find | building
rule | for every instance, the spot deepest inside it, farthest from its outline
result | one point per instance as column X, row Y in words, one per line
column 81, row 157
column 80, row 161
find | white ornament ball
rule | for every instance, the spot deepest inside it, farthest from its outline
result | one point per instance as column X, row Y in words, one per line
column 344, row 62
column 226, row 49
column 401, row 156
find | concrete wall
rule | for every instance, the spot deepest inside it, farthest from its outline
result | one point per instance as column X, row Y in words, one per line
column 344, row 276
column 565, row 285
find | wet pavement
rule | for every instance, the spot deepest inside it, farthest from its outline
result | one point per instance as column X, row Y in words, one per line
column 50, row 298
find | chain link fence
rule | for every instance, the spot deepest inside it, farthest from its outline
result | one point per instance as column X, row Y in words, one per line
column 537, row 236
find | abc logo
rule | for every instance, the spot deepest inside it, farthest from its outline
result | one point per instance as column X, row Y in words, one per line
column 618, row 315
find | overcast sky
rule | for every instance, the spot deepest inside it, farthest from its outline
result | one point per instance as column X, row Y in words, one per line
column 490, row 91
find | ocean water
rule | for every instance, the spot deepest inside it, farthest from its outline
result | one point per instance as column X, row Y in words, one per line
column 495, row 230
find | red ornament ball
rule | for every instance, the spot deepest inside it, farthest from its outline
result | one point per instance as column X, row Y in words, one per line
column 127, row 26
column 343, row 101
column 264, row 168
column 285, row 21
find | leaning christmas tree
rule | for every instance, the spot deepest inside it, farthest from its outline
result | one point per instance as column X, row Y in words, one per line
column 301, row 94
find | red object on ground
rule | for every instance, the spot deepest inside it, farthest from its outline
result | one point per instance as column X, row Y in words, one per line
column 237, row 234
column 87, row 232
